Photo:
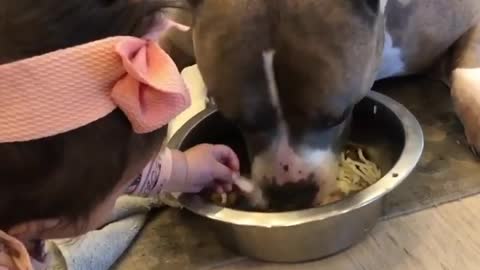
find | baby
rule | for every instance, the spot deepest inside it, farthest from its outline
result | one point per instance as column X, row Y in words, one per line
column 84, row 100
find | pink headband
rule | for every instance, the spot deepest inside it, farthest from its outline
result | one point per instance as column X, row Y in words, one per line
column 64, row 90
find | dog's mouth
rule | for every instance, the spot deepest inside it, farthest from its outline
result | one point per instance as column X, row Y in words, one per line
column 291, row 196
column 278, row 198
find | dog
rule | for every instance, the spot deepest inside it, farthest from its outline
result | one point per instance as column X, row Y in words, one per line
column 326, row 56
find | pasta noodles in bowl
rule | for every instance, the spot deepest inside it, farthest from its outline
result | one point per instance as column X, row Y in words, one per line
column 356, row 171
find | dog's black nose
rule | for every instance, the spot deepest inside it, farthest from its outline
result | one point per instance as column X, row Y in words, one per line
column 291, row 196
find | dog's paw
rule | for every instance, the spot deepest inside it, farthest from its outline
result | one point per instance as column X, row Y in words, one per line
column 466, row 99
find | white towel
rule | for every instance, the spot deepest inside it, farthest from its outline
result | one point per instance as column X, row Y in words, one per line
column 101, row 248
column 198, row 92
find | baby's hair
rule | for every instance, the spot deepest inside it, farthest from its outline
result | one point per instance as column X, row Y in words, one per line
column 68, row 175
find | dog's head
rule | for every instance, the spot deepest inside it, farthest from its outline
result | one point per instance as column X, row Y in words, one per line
column 326, row 56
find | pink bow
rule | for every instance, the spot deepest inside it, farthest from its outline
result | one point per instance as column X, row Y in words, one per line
column 152, row 92
column 67, row 89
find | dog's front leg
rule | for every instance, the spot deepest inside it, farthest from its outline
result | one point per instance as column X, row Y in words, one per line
column 466, row 85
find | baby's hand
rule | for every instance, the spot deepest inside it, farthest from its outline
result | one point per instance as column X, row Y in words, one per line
column 208, row 163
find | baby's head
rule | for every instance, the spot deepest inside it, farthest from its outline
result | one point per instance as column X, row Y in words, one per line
column 72, row 178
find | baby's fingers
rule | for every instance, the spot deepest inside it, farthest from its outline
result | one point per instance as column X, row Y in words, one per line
column 222, row 173
column 227, row 156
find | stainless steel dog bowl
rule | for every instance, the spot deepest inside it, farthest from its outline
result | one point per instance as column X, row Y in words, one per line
column 393, row 139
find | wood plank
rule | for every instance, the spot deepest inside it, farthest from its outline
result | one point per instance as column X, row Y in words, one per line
column 445, row 237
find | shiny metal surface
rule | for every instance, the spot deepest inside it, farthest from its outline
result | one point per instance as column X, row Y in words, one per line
column 393, row 139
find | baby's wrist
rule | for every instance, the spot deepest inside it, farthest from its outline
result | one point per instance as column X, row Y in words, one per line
column 176, row 171
column 168, row 172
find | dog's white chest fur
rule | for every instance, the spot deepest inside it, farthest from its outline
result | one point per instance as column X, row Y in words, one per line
column 392, row 63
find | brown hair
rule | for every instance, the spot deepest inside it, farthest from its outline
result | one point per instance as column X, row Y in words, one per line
column 68, row 175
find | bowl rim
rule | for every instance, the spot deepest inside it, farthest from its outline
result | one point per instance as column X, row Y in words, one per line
column 406, row 163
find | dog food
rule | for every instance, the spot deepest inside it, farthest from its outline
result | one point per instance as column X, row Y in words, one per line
column 224, row 199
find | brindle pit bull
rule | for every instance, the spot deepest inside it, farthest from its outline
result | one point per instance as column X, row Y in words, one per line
column 327, row 55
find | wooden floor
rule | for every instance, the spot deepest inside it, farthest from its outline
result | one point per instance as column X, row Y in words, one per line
column 445, row 237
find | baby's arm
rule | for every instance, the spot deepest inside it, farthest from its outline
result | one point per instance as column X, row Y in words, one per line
column 189, row 171
column 156, row 176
